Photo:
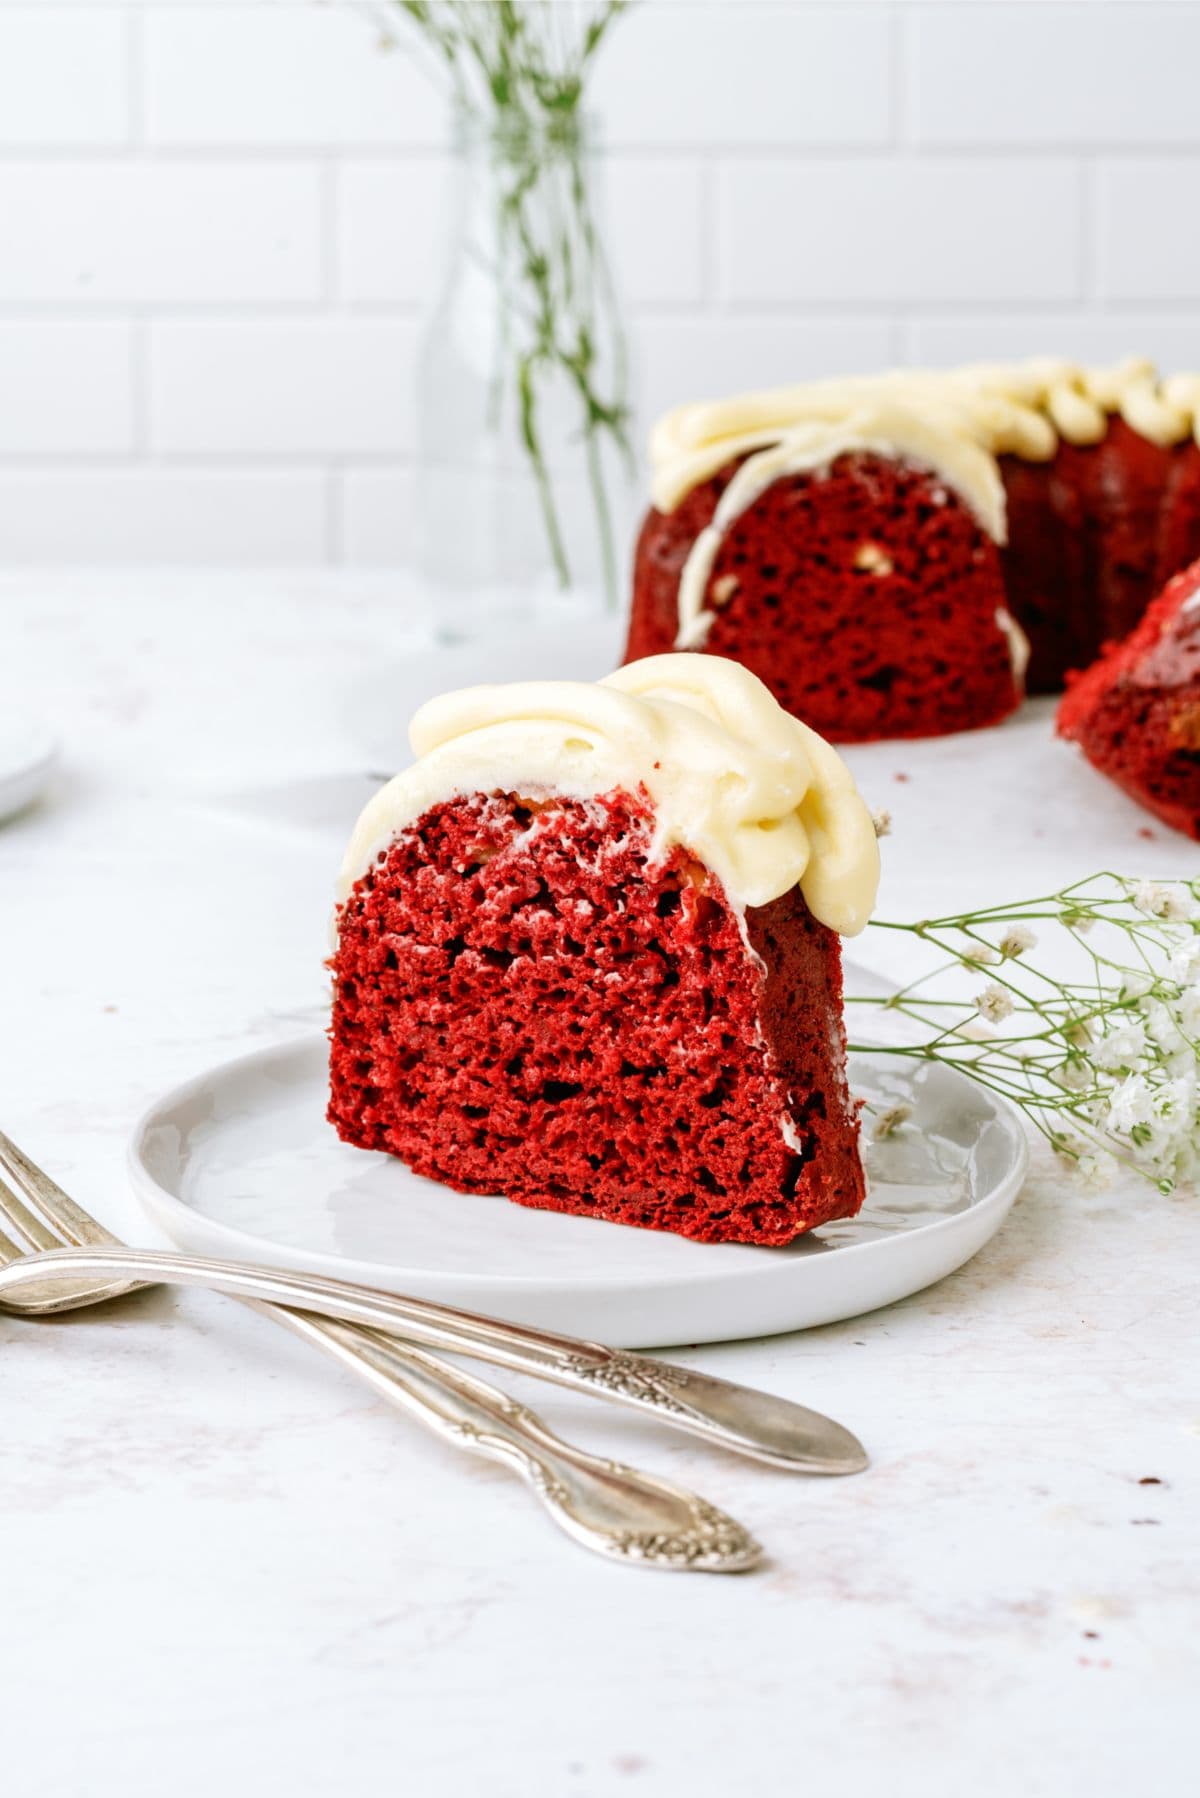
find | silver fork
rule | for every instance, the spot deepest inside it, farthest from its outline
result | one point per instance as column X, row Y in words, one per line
column 615, row 1510
column 740, row 1418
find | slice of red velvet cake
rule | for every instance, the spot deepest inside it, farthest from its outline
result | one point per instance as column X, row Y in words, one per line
column 853, row 565
column 587, row 954
column 1135, row 713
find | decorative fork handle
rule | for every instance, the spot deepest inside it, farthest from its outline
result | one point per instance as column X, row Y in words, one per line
column 739, row 1418
column 615, row 1510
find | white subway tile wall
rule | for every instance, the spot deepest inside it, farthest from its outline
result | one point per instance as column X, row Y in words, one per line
column 282, row 386
column 939, row 232
column 221, row 222
column 125, row 231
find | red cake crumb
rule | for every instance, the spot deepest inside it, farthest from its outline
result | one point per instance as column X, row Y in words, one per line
column 864, row 595
column 1136, row 712
column 525, row 1003
column 1092, row 536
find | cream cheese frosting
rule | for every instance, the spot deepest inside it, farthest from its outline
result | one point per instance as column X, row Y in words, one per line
column 1019, row 408
column 757, row 796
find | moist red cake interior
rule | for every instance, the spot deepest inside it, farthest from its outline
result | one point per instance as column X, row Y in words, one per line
column 864, row 595
column 527, row 1003
column 1136, row 711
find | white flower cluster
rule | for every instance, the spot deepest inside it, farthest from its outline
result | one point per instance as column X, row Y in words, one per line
column 1144, row 1059
column 1106, row 1064
column 994, row 1004
column 1158, row 900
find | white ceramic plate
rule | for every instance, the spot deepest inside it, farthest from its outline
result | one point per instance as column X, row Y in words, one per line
column 240, row 1162
column 27, row 756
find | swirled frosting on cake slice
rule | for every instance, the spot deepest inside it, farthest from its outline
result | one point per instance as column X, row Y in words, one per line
column 733, row 778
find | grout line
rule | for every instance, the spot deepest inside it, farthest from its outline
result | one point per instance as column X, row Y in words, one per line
column 832, row 308
column 204, row 462
column 218, row 150
column 296, row 6
column 828, row 309
column 1186, row 150
column 200, row 312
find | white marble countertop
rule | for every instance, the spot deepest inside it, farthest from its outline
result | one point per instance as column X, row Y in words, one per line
column 225, row 1568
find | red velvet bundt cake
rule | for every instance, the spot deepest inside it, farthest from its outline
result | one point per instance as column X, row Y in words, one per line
column 1136, row 712
column 751, row 550
column 853, row 567
column 587, row 955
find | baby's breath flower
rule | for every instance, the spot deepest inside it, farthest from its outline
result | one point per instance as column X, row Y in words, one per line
column 1069, row 1149
column 1135, row 985
column 980, row 955
column 1095, row 1169
column 1183, row 966
column 1177, row 1098
column 1016, row 939
column 882, row 820
column 1131, row 1104
column 1149, row 896
column 1078, row 921
column 1162, row 1027
column 1189, row 1011
column 994, row 1004
column 1072, row 1076
column 1120, row 1048
column 1158, row 900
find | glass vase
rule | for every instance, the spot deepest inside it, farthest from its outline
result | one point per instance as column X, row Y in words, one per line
column 526, row 474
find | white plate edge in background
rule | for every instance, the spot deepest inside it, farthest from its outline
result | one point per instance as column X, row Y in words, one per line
column 29, row 754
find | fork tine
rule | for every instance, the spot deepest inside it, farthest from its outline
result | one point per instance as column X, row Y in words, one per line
column 73, row 1225
column 27, row 1226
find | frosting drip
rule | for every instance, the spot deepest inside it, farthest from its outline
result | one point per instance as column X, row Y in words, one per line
column 753, row 793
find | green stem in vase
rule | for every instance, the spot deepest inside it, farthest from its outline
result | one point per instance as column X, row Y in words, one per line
column 541, row 473
column 518, row 73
